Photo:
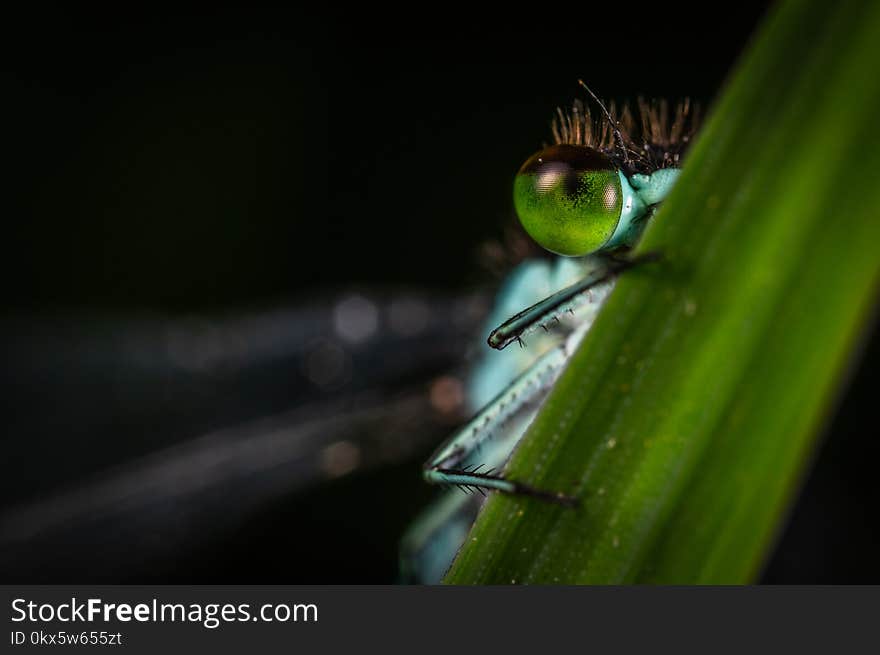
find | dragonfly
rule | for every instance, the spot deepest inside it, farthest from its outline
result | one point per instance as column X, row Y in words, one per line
column 586, row 198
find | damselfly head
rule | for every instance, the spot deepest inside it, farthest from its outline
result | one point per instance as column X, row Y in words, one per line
column 575, row 197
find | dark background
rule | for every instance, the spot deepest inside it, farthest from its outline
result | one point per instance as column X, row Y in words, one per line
column 229, row 162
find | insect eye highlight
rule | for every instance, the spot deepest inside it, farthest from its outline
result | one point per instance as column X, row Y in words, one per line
column 569, row 199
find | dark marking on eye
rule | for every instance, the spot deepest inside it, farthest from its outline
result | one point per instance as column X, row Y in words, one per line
column 579, row 159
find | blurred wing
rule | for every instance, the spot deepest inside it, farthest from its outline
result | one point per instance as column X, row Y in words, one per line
column 177, row 426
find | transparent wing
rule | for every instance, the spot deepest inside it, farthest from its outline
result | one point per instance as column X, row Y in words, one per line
column 181, row 427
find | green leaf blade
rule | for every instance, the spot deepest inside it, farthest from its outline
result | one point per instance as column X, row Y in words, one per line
column 685, row 419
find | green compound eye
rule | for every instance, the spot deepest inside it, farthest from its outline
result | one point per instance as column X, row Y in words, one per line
column 569, row 199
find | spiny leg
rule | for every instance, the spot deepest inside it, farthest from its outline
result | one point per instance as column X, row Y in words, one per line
column 596, row 283
column 482, row 434
column 472, row 479
column 431, row 542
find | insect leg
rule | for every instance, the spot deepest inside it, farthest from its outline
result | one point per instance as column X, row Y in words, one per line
column 484, row 434
column 592, row 289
